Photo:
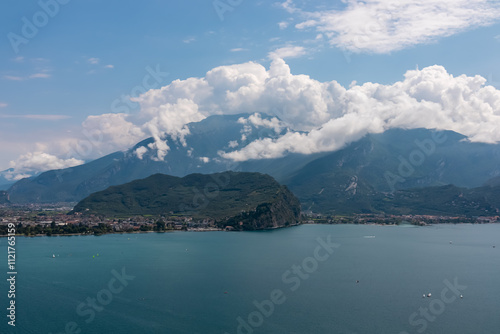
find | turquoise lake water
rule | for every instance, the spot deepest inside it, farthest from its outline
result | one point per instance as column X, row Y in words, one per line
column 280, row 281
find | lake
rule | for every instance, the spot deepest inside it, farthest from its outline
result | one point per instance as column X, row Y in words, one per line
column 306, row 279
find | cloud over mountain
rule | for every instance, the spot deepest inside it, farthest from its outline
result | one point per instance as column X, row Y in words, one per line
column 319, row 116
column 30, row 163
column 330, row 114
column 110, row 132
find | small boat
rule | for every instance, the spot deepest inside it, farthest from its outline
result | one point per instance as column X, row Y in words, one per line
column 429, row 295
column 53, row 255
column 461, row 296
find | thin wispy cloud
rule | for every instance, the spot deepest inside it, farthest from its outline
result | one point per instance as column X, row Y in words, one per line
column 94, row 61
column 39, row 69
column 384, row 26
column 40, row 76
column 38, row 117
column 238, row 50
column 40, row 60
column 283, row 25
column 290, row 7
column 13, row 78
column 189, row 40
column 3, row 105
column 287, row 52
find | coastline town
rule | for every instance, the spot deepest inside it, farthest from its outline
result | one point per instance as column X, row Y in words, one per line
column 37, row 220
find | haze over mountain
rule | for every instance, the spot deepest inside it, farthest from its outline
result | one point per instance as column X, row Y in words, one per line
column 5, row 181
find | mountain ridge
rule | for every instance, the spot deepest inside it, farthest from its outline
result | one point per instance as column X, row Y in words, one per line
column 394, row 160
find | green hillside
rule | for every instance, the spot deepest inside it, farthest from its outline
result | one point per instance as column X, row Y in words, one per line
column 254, row 199
column 446, row 200
column 376, row 174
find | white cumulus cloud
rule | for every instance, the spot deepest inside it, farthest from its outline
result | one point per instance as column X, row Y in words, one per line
column 28, row 163
column 311, row 115
column 427, row 98
column 140, row 152
column 328, row 114
column 110, row 132
column 257, row 120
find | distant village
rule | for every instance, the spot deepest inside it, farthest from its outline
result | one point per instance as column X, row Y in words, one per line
column 384, row 219
column 35, row 220
column 54, row 220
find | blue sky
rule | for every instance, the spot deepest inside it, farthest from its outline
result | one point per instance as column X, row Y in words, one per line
column 91, row 53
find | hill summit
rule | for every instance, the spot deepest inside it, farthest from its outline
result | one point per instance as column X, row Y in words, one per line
column 245, row 201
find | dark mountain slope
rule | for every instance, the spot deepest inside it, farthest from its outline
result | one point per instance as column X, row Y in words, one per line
column 199, row 155
column 256, row 200
column 352, row 179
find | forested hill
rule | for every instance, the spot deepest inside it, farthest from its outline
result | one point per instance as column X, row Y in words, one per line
column 245, row 200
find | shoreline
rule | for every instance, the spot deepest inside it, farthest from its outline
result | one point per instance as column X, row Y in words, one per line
column 196, row 230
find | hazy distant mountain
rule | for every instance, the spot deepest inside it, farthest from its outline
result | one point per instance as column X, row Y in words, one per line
column 5, row 181
column 199, row 155
column 347, row 180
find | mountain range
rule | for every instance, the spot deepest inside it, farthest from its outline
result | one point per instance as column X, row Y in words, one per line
column 364, row 176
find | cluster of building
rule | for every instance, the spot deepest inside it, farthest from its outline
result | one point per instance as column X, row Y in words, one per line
column 57, row 220
column 383, row 219
column 58, row 217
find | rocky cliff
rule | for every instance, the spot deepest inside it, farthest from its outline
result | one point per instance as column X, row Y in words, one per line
column 282, row 211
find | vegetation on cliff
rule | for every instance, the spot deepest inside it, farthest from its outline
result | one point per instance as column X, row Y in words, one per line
column 244, row 200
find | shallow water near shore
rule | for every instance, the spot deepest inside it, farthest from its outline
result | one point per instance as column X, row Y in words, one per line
column 280, row 281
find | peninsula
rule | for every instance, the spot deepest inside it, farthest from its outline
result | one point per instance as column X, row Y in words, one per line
column 231, row 200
